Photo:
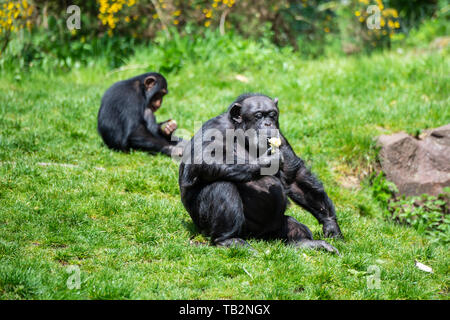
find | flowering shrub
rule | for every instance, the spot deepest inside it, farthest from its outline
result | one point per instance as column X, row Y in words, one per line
column 112, row 27
column 389, row 22
column 15, row 15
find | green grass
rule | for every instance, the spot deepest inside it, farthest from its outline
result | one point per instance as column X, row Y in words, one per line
column 119, row 216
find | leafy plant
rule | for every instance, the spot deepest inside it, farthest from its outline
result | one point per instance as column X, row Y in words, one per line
column 427, row 214
column 382, row 189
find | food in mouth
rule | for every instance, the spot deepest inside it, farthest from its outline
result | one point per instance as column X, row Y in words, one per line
column 274, row 143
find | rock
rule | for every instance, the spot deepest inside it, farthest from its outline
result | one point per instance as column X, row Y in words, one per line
column 417, row 165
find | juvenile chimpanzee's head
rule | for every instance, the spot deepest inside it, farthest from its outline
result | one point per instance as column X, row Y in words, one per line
column 254, row 111
column 155, row 88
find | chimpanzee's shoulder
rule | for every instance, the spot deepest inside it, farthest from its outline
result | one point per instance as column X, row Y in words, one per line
column 220, row 122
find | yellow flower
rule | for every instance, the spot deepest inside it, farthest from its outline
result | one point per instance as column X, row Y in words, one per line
column 175, row 22
column 207, row 23
column 357, row 13
column 397, row 24
column 177, row 13
column 326, row 29
column 127, row 19
column 155, row 16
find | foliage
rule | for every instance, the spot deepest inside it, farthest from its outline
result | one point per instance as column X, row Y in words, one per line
column 14, row 16
column 436, row 27
column 33, row 33
column 427, row 214
column 382, row 189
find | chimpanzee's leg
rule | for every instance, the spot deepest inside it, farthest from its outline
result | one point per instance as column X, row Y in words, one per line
column 142, row 139
column 299, row 235
column 219, row 212
column 308, row 192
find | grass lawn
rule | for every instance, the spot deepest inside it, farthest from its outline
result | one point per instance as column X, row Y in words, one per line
column 65, row 199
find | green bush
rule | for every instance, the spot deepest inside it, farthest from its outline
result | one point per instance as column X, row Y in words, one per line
column 427, row 214
column 34, row 33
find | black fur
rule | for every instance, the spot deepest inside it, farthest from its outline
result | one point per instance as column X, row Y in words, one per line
column 232, row 202
column 126, row 120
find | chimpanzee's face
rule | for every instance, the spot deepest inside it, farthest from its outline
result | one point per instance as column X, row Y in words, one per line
column 257, row 116
column 155, row 90
column 259, row 113
column 157, row 98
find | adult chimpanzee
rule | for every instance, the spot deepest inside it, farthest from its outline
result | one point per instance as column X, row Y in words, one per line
column 232, row 201
column 126, row 119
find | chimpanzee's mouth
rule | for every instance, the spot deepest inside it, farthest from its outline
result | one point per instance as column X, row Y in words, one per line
column 155, row 104
column 156, row 101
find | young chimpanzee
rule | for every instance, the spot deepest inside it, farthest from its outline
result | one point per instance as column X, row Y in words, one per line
column 126, row 117
column 232, row 201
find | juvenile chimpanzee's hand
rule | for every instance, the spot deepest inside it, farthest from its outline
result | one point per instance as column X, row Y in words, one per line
column 169, row 127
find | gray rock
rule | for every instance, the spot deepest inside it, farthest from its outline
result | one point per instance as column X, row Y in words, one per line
column 420, row 165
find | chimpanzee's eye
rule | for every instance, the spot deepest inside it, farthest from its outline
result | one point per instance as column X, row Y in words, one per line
column 258, row 115
column 272, row 114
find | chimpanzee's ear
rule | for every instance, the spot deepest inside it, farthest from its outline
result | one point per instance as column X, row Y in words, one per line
column 149, row 82
column 235, row 113
column 276, row 102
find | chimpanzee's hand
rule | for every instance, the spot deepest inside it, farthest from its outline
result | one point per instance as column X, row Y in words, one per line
column 169, row 127
column 331, row 229
column 271, row 157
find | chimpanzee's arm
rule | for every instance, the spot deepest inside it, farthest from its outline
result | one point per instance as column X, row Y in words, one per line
column 196, row 169
column 150, row 123
column 155, row 128
column 308, row 192
column 220, row 170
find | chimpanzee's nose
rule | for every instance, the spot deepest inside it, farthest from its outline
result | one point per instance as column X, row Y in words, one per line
column 268, row 124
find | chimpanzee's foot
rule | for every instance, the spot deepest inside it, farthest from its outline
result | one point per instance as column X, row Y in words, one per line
column 316, row 244
column 232, row 242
